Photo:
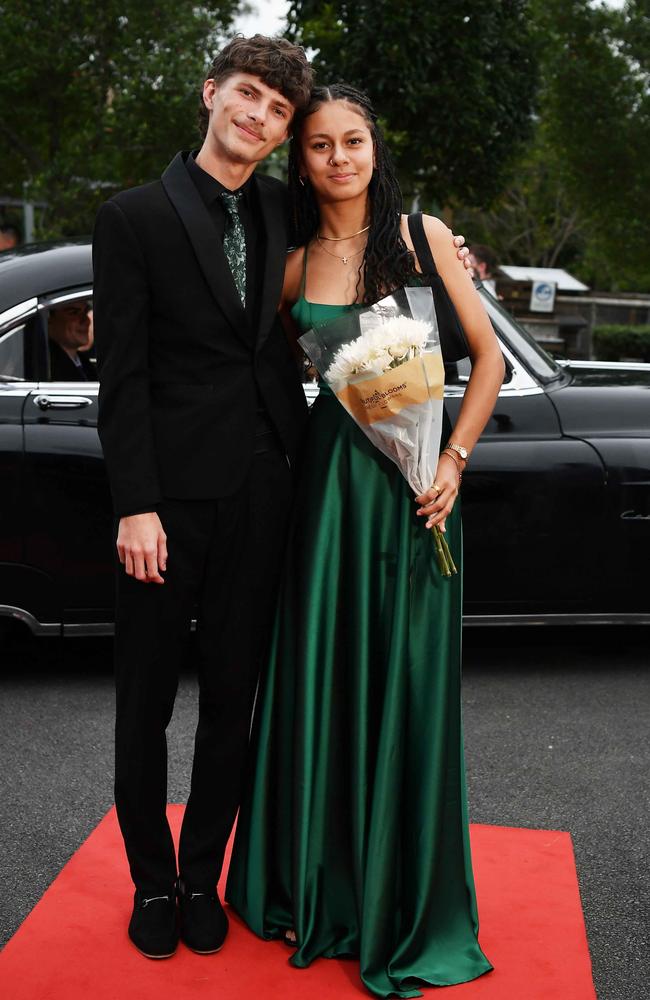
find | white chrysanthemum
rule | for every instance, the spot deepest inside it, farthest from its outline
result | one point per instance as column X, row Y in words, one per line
column 403, row 333
column 339, row 371
column 379, row 349
column 378, row 363
column 348, row 360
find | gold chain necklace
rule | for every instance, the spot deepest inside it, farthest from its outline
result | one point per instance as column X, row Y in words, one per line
column 343, row 260
column 338, row 239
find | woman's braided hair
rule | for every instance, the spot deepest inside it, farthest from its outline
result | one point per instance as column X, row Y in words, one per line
column 387, row 263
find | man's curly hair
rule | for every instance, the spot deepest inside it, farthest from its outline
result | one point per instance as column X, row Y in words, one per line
column 276, row 61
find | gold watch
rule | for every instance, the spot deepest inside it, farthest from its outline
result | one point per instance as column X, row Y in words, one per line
column 458, row 448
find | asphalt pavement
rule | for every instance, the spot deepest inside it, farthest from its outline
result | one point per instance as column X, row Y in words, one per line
column 557, row 734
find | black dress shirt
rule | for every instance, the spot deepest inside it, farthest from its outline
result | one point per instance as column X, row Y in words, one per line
column 211, row 190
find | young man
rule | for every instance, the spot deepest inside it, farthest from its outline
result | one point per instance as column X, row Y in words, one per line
column 200, row 416
column 201, row 411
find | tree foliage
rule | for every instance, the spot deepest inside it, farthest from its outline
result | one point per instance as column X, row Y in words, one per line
column 580, row 195
column 454, row 83
column 535, row 220
column 596, row 105
column 535, row 112
column 97, row 97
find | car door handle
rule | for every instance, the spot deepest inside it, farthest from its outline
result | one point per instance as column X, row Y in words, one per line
column 62, row 402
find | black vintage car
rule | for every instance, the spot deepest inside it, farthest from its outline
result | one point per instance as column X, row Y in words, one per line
column 556, row 499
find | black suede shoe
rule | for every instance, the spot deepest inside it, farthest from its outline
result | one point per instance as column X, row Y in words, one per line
column 204, row 924
column 154, row 925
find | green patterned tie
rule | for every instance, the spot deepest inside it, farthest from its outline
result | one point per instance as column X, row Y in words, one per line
column 234, row 242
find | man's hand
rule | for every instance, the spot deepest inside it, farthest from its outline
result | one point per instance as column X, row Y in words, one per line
column 463, row 252
column 142, row 547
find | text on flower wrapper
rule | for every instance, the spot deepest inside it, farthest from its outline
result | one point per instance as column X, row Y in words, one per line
column 377, row 398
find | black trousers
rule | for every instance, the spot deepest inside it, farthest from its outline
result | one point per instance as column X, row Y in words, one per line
column 224, row 559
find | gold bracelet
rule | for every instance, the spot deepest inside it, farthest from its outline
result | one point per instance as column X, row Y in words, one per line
column 448, row 451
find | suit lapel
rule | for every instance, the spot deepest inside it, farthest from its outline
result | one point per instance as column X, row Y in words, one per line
column 185, row 198
column 273, row 211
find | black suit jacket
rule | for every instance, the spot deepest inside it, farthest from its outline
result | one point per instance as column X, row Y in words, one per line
column 182, row 372
column 63, row 368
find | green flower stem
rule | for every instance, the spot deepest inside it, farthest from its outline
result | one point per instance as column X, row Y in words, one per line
column 445, row 559
column 450, row 558
column 452, row 564
column 440, row 553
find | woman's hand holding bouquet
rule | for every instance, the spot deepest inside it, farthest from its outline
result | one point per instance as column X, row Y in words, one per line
column 437, row 502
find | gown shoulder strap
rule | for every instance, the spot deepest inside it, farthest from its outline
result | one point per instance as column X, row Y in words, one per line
column 303, row 280
column 421, row 244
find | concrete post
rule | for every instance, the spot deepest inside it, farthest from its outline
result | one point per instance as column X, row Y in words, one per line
column 28, row 217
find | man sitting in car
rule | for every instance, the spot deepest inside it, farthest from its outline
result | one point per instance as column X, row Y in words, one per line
column 68, row 328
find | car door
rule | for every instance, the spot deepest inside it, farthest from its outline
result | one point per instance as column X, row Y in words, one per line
column 532, row 499
column 69, row 532
column 26, row 590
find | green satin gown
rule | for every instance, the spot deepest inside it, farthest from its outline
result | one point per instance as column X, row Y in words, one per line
column 353, row 830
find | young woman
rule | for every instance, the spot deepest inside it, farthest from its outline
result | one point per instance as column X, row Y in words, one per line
column 353, row 835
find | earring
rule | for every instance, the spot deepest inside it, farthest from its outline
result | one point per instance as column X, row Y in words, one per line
column 302, row 181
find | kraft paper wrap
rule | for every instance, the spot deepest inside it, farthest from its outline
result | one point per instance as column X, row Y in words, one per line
column 384, row 396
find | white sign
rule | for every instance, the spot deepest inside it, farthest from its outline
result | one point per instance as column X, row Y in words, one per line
column 542, row 296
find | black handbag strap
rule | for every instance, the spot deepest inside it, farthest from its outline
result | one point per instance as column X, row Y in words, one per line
column 421, row 244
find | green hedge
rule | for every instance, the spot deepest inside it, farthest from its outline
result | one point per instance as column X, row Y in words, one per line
column 611, row 343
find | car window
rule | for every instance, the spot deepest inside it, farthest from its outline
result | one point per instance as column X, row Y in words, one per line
column 458, row 372
column 12, row 354
column 70, row 341
column 521, row 342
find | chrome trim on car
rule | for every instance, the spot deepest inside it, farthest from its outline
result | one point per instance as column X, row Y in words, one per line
column 85, row 629
column 16, row 386
column 532, row 390
column 572, row 618
column 89, row 629
column 54, row 300
column 17, row 312
column 36, row 627
column 634, row 366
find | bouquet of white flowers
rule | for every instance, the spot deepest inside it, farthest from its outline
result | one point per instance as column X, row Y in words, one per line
column 384, row 365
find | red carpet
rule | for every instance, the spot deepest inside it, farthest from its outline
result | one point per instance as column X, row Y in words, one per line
column 73, row 946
